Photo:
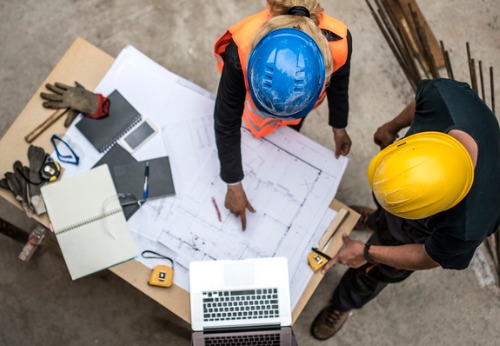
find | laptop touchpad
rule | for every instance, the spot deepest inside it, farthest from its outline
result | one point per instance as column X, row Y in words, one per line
column 239, row 274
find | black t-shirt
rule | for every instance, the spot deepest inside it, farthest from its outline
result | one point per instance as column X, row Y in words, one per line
column 452, row 236
column 231, row 99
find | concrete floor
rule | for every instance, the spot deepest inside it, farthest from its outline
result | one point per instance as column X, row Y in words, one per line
column 40, row 305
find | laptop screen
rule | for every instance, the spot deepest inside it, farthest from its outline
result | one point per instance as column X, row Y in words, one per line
column 222, row 295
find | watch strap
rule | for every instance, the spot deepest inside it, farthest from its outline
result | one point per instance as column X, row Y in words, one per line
column 366, row 253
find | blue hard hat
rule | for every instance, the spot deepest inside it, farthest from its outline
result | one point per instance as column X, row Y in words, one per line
column 286, row 73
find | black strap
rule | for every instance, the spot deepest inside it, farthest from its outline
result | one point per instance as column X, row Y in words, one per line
column 156, row 255
column 299, row 11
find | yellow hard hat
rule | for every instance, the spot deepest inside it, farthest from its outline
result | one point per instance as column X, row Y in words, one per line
column 421, row 175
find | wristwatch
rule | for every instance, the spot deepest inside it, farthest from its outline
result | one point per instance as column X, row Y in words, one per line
column 366, row 255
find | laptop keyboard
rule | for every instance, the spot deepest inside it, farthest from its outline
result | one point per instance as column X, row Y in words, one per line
column 266, row 339
column 240, row 305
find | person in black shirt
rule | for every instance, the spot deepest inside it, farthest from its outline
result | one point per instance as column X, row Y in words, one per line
column 422, row 222
column 233, row 97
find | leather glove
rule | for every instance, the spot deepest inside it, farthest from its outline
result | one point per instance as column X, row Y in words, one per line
column 70, row 116
column 36, row 158
column 18, row 185
column 64, row 96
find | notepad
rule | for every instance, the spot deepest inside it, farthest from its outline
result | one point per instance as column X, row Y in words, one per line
column 103, row 133
column 129, row 178
column 88, row 222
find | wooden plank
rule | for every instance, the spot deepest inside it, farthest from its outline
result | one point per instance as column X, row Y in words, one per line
column 405, row 18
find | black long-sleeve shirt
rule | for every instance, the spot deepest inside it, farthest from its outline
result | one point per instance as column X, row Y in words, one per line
column 231, row 100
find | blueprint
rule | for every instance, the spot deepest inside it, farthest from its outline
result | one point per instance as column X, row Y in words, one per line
column 289, row 179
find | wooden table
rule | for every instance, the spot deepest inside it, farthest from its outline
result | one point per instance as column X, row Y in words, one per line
column 87, row 64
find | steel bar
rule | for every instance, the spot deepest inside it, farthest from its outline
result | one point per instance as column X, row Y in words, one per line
column 492, row 88
column 391, row 45
column 404, row 42
column 497, row 243
column 425, row 43
column 481, row 79
column 397, row 43
column 472, row 69
column 414, row 42
column 473, row 75
column 446, row 60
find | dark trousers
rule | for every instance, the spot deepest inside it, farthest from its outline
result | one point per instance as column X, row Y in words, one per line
column 358, row 286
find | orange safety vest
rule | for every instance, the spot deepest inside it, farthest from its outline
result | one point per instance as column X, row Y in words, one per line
column 242, row 34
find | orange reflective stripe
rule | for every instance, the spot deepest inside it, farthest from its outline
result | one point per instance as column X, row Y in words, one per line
column 242, row 34
column 266, row 125
column 220, row 48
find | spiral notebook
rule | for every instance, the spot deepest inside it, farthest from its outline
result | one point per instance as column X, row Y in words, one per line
column 103, row 133
column 88, row 222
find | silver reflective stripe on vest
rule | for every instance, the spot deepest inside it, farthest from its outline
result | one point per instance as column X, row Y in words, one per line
column 249, row 109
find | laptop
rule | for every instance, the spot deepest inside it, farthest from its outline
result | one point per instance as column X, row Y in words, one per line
column 241, row 302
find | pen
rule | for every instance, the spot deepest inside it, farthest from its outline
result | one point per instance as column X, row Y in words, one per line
column 146, row 181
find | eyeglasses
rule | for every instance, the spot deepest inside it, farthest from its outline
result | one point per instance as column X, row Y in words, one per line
column 64, row 152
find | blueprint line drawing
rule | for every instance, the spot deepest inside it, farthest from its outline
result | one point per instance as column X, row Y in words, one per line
column 290, row 193
column 289, row 179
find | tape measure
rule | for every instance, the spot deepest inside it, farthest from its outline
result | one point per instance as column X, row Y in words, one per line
column 50, row 169
column 317, row 259
column 161, row 275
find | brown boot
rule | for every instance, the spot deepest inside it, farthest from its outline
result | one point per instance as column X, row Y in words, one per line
column 328, row 322
column 365, row 212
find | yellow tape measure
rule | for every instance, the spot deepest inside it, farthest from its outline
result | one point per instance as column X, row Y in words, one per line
column 161, row 275
column 317, row 259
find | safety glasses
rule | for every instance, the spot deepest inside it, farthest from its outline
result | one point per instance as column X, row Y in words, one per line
column 64, row 151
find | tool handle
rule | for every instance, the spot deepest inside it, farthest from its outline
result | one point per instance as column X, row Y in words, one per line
column 45, row 125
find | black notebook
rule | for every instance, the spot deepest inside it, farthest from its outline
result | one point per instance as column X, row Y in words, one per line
column 129, row 178
column 103, row 133
column 119, row 156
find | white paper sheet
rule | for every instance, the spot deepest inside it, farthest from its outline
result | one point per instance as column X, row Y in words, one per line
column 289, row 179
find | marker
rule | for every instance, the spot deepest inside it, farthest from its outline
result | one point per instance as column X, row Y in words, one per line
column 146, row 181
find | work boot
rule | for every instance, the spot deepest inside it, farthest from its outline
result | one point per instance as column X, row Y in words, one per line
column 328, row 322
column 363, row 222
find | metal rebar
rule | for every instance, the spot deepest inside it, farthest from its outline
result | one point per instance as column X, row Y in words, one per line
column 443, row 51
column 391, row 45
column 397, row 43
column 492, row 88
column 425, row 43
column 472, row 69
column 497, row 243
column 448, row 62
column 415, row 42
column 410, row 53
column 481, row 79
column 408, row 40
column 473, row 75
column 405, row 44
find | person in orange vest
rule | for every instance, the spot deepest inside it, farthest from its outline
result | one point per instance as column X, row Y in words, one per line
column 276, row 66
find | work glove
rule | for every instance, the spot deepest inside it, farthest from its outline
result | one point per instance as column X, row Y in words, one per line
column 70, row 116
column 36, row 158
column 16, row 183
column 77, row 99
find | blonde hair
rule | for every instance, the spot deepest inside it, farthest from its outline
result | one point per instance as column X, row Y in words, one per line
column 281, row 19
